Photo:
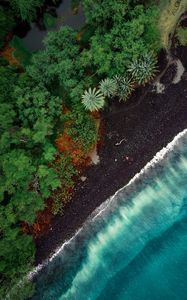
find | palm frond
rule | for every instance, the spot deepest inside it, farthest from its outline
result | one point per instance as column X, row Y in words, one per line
column 143, row 69
column 108, row 87
column 124, row 87
column 93, row 99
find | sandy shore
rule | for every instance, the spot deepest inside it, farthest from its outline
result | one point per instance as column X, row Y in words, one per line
column 133, row 133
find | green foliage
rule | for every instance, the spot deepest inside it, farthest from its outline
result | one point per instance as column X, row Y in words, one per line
column 7, row 115
column 17, row 168
column 87, row 34
column 124, row 35
column 36, row 103
column 49, row 152
column 182, row 36
column 93, row 99
column 26, row 9
column 120, row 36
column 8, row 77
column 19, row 291
column 83, row 127
column 28, row 115
column 108, row 87
column 49, row 21
column 103, row 13
column 124, row 87
column 66, row 172
column 48, row 180
column 57, row 64
column 16, row 257
column 6, row 23
column 20, row 52
column 143, row 69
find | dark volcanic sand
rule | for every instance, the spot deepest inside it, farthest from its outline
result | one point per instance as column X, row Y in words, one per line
column 148, row 123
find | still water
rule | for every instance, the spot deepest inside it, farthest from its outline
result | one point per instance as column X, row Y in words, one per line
column 33, row 40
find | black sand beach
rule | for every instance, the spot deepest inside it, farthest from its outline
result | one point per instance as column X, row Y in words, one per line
column 140, row 129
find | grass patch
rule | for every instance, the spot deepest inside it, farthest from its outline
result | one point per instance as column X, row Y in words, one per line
column 20, row 53
column 49, row 21
column 182, row 36
column 171, row 11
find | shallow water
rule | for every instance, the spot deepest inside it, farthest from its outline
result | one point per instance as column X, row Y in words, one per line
column 136, row 248
column 33, row 40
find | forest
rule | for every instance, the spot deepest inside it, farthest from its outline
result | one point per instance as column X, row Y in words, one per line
column 48, row 112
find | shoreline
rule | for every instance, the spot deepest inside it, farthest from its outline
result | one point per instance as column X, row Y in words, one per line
column 145, row 126
column 106, row 204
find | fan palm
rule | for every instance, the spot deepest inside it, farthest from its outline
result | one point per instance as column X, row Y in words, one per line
column 143, row 69
column 124, row 87
column 93, row 99
column 108, row 87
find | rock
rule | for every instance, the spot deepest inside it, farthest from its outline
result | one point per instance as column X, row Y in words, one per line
column 83, row 178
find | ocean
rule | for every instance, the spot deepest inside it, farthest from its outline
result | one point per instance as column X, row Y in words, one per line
column 134, row 246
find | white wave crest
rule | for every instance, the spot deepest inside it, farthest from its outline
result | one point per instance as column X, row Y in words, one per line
column 103, row 207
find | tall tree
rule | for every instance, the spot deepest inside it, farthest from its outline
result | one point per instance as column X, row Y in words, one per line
column 26, row 9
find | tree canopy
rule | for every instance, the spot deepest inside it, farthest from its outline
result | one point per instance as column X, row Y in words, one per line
column 47, row 99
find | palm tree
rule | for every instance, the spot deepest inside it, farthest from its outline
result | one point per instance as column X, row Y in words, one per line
column 143, row 69
column 93, row 99
column 108, row 87
column 124, row 87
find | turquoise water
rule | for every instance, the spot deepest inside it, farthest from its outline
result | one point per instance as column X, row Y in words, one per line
column 134, row 247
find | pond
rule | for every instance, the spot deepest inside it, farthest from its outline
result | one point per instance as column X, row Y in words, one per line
column 33, row 38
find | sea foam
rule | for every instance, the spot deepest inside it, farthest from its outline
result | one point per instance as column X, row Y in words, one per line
column 99, row 211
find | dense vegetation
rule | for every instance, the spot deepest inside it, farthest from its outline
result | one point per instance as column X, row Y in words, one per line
column 182, row 36
column 115, row 53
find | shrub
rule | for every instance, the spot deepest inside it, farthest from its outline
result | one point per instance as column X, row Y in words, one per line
column 22, row 54
column 49, row 21
column 182, row 36
column 83, row 128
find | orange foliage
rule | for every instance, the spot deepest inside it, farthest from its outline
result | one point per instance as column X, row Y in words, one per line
column 43, row 220
column 7, row 53
column 79, row 35
column 66, row 144
column 95, row 114
column 80, row 159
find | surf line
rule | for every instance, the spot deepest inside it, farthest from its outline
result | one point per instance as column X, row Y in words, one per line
column 160, row 155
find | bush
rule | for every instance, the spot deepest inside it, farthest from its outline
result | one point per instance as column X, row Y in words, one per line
column 49, row 21
column 83, row 128
column 6, row 23
column 20, row 52
column 182, row 36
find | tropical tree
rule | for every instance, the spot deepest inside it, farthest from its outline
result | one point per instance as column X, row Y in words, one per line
column 6, row 23
column 108, row 87
column 124, row 87
column 143, row 69
column 93, row 99
column 26, row 9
